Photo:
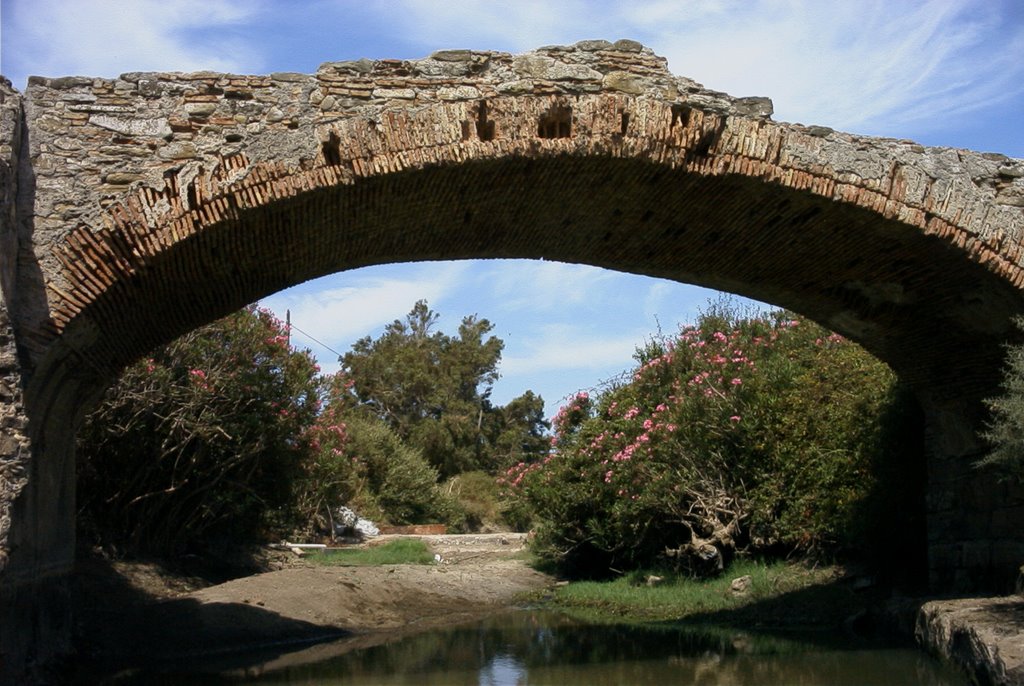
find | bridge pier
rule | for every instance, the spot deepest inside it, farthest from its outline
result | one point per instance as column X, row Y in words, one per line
column 975, row 536
column 37, row 519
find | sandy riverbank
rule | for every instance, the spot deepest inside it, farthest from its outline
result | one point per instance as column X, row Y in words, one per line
column 145, row 616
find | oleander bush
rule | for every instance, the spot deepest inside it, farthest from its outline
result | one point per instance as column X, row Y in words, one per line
column 201, row 440
column 761, row 433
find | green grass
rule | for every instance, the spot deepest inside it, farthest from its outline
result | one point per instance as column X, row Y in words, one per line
column 682, row 597
column 404, row 551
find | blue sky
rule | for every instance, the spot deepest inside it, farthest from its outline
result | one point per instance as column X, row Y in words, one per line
column 940, row 72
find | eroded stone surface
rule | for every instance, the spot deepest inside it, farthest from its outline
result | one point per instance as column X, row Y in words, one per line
column 984, row 636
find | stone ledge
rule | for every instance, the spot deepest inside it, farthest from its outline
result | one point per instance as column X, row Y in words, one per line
column 982, row 636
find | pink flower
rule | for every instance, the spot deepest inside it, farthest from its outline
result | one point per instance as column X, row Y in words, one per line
column 608, row 477
column 736, row 382
column 734, row 418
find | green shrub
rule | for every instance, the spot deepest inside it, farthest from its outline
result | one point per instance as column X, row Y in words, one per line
column 477, row 495
column 201, row 440
column 361, row 462
column 759, row 432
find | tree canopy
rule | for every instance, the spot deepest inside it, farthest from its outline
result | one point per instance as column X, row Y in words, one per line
column 434, row 391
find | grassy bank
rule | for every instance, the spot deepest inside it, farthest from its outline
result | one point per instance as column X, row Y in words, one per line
column 779, row 594
column 405, row 551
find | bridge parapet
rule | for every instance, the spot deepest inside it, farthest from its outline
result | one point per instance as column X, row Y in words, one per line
column 157, row 151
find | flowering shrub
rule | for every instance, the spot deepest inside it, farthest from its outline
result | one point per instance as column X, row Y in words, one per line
column 737, row 432
column 202, row 439
column 358, row 460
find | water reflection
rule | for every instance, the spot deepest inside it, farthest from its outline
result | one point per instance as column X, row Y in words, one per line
column 533, row 647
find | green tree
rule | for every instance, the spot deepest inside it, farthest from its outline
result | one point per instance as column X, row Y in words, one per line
column 434, row 391
column 202, row 439
column 1006, row 428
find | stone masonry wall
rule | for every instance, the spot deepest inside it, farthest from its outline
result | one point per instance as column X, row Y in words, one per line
column 152, row 150
column 14, row 445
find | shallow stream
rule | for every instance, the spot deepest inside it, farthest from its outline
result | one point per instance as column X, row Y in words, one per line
column 543, row 647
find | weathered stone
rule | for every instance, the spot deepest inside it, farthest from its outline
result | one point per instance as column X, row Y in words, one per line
column 517, row 87
column 200, row 109
column 110, row 109
column 740, row 585
column 122, row 178
column 754, row 107
column 593, row 45
column 624, row 82
column 395, row 93
column 152, row 128
column 452, row 55
column 361, row 66
column 60, row 83
column 976, row 635
column 149, row 87
column 1011, row 195
column 178, row 151
column 627, row 45
column 543, row 67
column 458, row 93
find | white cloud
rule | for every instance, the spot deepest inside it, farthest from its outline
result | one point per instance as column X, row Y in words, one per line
column 536, row 285
column 563, row 347
column 873, row 66
column 109, row 37
column 338, row 315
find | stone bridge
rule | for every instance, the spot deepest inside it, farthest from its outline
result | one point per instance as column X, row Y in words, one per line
column 135, row 209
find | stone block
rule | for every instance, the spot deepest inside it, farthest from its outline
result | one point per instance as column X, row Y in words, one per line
column 627, row 45
column 624, row 82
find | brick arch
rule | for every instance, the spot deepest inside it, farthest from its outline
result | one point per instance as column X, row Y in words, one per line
column 639, row 186
column 134, row 209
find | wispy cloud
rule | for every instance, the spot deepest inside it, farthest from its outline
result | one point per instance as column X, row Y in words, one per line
column 108, row 37
column 563, row 347
column 873, row 66
column 339, row 315
column 540, row 286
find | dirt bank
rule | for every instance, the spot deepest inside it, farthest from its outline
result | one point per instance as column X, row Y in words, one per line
column 144, row 615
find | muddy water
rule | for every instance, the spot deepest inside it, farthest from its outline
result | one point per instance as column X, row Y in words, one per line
column 535, row 647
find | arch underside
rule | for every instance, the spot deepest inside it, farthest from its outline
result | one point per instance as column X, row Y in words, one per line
column 910, row 298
